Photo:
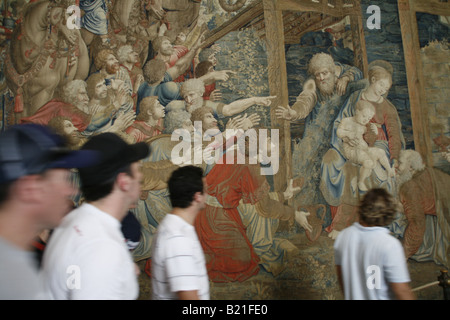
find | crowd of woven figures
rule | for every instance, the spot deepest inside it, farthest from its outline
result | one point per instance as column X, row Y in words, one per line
column 137, row 68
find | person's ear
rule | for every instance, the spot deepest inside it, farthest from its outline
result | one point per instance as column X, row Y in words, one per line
column 198, row 197
column 123, row 181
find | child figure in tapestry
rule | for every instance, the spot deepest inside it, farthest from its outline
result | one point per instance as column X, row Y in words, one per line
column 351, row 130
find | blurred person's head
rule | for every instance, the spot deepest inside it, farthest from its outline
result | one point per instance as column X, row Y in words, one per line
column 117, row 169
column 35, row 176
column 377, row 208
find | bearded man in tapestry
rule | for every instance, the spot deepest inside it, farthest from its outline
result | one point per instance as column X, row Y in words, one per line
column 319, row 104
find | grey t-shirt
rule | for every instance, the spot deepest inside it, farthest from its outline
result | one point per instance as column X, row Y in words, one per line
column 19, row 275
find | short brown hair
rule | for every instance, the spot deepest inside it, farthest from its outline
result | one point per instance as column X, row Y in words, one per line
column 154, row 70
column 377, row 208
column 202, row 68
column 101, row 57
column 199, row 114
column 148, row 103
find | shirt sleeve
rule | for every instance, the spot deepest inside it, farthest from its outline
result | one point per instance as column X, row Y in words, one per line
column 337, row 250
column 181, row 264
column 395, row 267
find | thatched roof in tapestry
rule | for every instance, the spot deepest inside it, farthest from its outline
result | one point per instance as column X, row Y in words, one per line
column 299, row 18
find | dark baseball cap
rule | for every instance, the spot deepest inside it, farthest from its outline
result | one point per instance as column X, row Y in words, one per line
column 115, row 155
column 29, row 149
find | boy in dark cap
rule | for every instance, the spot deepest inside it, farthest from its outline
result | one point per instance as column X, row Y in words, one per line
column 35, row 193
column 87, row 256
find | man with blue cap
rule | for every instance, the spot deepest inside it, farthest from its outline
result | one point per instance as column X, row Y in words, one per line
column 35, row 194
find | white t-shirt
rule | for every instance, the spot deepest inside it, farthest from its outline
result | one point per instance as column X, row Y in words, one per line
column 87, row 258
column 178, row 262
column 19, row 278
column 370, row 259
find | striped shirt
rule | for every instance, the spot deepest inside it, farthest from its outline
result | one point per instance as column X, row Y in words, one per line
column 178, row 262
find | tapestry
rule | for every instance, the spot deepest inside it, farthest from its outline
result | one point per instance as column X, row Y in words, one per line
column 293, row 109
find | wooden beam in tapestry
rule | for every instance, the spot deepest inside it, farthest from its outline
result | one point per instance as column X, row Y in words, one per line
column 243, row 18
column 278, row 86
column 414, row 73
column 359, row 40
column 331, row 8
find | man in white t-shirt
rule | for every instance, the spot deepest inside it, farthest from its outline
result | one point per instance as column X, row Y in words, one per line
column 178, row 262
column 371, row 264
column 87, row 257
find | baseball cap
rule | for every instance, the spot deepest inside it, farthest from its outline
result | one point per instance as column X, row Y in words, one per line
column 29, row 149
column 115, row 154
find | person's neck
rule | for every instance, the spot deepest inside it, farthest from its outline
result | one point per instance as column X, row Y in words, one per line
column 17, row 229
column 152, row 122
column 371, row 96
column 366, row 225
column 163, row 57
column 187, row 214
column 128, row 65
column 113, row 206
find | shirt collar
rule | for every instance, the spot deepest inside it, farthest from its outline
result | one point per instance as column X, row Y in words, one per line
column 366, row 229
column 104, row 216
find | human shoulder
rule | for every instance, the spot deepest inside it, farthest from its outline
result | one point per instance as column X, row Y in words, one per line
column 175, row 236
column 86, row 222
column 415, row 183
column 343, row 235
column 387, row 107
column 174, row 226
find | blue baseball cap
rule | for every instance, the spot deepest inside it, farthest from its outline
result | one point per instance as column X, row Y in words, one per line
column 29, row 149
